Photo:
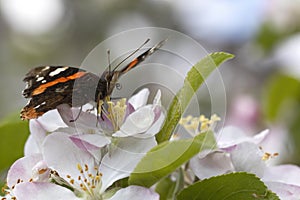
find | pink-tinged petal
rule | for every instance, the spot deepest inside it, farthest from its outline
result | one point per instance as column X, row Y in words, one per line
column 22, row 169
column 135, row 193
column 84, row 120
column 37, row 130
column 43, row 191
column 123, row 158
column 36, row 138
column 284, row 191
column 289, row 174
column 138, row 122
column 213, row 164
column 31, row 146
column 90, row 141
column 261, row 136
column 230, row 136
column 248, row 157
column 129, row 109
column 140, row 99
column 63, row 155
column 51, row 121
column 157, row 112
column 155, row 128
column 157, row 99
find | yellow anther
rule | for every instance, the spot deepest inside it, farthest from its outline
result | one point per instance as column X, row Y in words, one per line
column 42, row 171
column 215, row 118
column 196, row 125
column 275, row 154
column 79, row 168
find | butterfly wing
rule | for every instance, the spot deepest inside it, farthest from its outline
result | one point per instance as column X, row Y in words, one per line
column 50, row 86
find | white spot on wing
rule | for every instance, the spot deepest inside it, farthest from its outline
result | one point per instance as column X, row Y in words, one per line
column 36, row 107
column 39, row 79
column 57, row 71
column 46, row 68
column 44, row 81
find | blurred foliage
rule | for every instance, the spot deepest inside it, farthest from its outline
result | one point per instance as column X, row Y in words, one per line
column 281, row 105
column 13, row 134
column 268, row 37
column 281, row 96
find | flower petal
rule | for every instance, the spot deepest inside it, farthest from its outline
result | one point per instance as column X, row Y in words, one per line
column 135, row 193
column 157, row 99
column 31, row 146
column 122, row 159
column 247, row 157
column 284, row 191
column 83, row 121
column 90, row 141
column 140, row 99
column 289, row 174
column 213, row 164
column 22, row 169
column 138, row 122
column 230, row 136
column 51, row 121
column 45, row 191
column 155, row 128
column 36, row 138
column 61, row 154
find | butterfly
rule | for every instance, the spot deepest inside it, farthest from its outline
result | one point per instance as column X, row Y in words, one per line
column 50, row 86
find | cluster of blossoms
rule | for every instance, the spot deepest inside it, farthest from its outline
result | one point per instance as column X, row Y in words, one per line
column 87, row 159
column 83, row 159
column 237, row 152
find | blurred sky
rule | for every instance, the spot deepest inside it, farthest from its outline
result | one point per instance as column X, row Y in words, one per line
column 35, row 32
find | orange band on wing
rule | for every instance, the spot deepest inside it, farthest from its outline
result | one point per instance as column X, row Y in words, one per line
column 43, row 87
column 131, row 65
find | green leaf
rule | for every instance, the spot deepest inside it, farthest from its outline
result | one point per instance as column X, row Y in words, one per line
column 167, row 188
column 280, row 96
column 228, row 187
column 13, row 134
column 195, row 77
column 167, row 157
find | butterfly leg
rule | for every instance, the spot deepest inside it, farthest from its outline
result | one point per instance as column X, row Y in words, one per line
column 73, row 120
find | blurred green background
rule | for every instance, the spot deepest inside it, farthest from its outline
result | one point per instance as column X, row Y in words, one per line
column 262, row 82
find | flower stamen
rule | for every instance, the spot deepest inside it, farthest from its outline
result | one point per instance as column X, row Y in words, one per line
column 88, row 182
column 196, row 125
column 115, row 113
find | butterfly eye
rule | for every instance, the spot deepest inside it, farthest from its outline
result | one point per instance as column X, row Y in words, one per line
column 118, row 86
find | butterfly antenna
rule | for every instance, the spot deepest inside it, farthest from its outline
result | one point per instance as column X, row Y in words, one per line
column 108, row 59
column 131, row 54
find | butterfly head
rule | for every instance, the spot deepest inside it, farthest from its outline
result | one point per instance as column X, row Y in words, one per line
column 110, row 78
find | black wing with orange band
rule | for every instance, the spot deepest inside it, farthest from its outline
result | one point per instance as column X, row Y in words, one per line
column 50, row 86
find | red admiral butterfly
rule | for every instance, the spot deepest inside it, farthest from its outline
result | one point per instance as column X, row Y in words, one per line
column 50, row 86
